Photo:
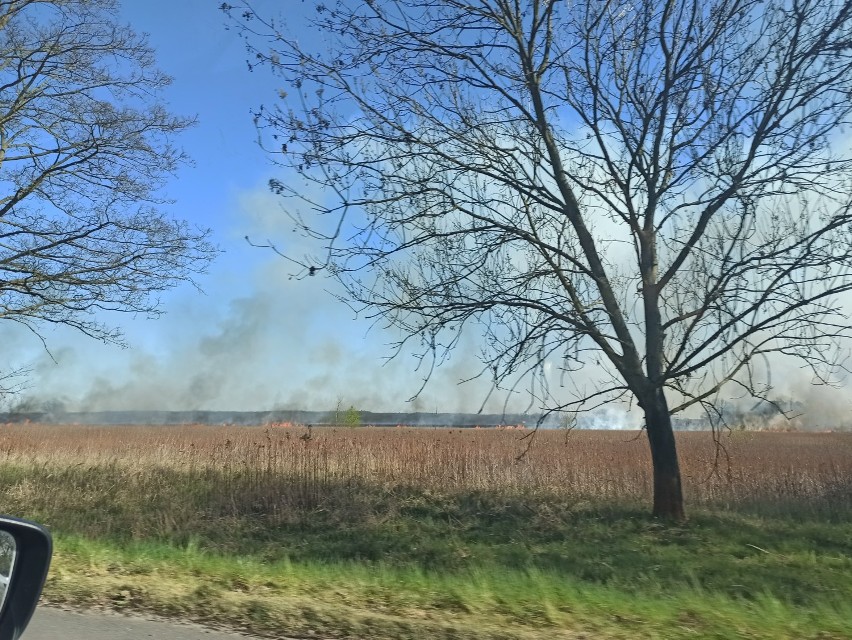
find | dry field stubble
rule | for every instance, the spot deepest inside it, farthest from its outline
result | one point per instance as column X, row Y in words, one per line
column 277, row 472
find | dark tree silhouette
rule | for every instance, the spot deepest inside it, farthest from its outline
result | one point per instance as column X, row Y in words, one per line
column 661, row 189
column 85, row 146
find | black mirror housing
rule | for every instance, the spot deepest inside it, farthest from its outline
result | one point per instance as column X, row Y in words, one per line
column 33, row 549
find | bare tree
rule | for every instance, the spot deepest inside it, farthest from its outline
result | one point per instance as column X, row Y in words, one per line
column 85, row 147
column 661, row 189
column 11, row 383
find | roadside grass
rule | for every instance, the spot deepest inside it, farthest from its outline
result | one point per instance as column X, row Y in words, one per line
column 382, row 601
column 294, row 546
column 612, row 574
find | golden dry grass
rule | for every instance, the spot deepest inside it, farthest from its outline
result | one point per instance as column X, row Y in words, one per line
column 280, row 467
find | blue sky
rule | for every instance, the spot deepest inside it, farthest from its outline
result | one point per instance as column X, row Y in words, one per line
column 254, row 340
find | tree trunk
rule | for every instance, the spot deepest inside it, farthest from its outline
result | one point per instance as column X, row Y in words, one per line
column 668, row 495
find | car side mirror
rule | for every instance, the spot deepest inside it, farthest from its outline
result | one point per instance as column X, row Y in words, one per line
column 25, row 550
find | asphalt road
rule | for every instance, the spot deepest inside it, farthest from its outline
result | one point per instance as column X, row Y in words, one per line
column 56, row 624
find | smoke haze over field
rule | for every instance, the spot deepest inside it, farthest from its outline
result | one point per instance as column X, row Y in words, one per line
column 285, row 345
column 257, row 340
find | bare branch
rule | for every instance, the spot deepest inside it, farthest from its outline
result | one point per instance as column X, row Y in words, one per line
column 85, row 148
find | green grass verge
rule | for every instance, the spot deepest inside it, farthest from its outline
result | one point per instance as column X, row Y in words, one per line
column 397, row 563
column 379, row 600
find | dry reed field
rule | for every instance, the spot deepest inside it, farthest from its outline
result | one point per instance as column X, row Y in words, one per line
column 468, row 534
column 277, row 471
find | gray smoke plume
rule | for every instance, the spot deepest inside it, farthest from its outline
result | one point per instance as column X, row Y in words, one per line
column 258, row 340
